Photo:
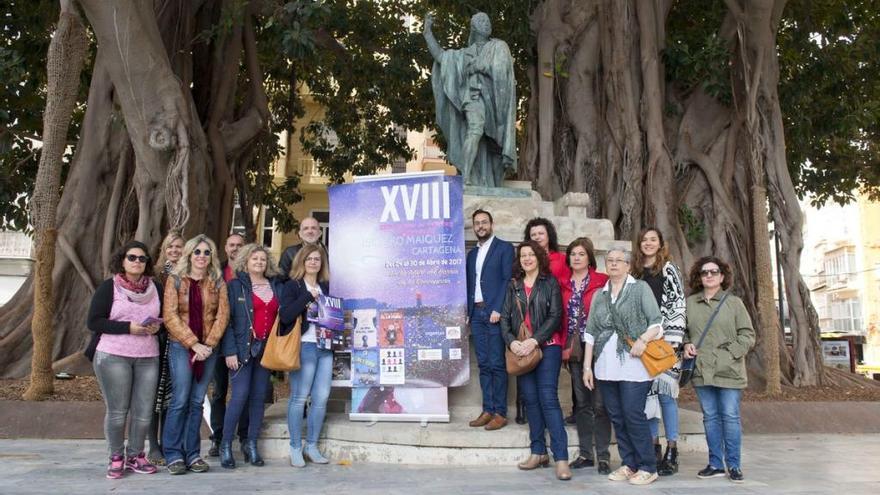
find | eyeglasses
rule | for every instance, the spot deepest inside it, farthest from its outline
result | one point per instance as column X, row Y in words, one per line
column 199, row 252
column 614, row 261
column 709, row 273
column 140, row 259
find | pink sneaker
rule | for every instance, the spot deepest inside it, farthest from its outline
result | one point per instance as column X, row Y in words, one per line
column 140, row 464
column 116, row 468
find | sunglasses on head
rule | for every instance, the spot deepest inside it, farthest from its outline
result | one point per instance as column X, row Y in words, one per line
column 706, row 273
column 140, row 259
column 199, row 252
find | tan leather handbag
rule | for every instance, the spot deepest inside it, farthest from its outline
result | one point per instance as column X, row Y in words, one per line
column 282, row 352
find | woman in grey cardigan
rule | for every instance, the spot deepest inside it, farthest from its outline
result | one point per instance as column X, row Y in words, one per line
column 624, row 317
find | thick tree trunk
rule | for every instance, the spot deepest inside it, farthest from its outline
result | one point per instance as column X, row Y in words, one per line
column 143, row 163
column 645, row 151
column 67, row 53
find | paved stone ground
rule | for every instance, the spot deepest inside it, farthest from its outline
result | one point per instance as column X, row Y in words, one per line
column 814, row 464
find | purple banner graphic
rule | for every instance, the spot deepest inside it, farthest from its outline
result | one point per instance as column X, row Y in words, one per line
column 397, row 257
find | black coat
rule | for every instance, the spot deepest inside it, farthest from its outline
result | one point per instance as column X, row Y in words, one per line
column 295, row 299
column 544, row 307
column 98, row 320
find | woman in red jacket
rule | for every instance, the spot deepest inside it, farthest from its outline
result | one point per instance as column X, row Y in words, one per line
column 590, row 416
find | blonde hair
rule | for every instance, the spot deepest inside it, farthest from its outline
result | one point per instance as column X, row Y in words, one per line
column 241, row 259
column 184, row 266
column 298, row 267
column 172, row 236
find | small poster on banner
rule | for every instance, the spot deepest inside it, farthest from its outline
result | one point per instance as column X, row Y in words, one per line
column 392, row 367
column 391, row 331
column 326, row 312
column 365, row 368
column 363, row 322
column 341, row 369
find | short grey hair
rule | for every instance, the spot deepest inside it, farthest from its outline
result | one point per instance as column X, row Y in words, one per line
column 627, row 254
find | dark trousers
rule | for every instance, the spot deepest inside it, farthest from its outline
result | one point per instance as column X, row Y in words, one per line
column 218, row 404
column 489, row 348
column 247, row 405
column 593, row 423
column 625, row 403
column 540, row 391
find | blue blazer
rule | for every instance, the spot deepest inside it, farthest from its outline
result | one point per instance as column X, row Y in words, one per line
column 496, row 274
column 294, row 303
column 237, row 339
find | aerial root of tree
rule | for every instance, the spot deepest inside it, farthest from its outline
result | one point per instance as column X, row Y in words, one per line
column 647, row 149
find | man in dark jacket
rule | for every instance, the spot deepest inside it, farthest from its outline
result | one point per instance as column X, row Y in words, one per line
column 488, row 271
column 309, row 233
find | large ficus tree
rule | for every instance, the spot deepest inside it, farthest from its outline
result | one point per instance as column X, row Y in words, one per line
column 701, row 118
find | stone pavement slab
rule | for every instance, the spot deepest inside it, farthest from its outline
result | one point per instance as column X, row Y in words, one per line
column 808, row 464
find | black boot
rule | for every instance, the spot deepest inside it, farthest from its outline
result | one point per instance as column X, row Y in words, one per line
column 669, row 465
column 214, row 451
column 520, row 413
column 244, row 450
column 226, row 458
column 250, row 446
column 658, row 453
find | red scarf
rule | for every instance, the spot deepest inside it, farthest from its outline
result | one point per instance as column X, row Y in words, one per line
column 196, row 324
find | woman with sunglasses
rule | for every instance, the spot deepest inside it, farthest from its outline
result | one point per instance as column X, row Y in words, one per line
column 124, row 319
column 653, row 264
column 720, row 373
column 253, row 307
column 196, row 313
column 169, row 253
column 309, row 278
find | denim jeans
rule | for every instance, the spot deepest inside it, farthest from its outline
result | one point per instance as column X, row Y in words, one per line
column 539, row 388
column 489, row 348
column 625, row 403
column 129, row 386
column 249, row 384
column 180, row 435
column 722, row 423
column 593, row 424
column 312, row 378
column 218, row 404
column 669, row 412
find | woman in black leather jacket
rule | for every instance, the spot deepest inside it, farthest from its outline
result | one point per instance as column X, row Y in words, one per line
column 535, row 291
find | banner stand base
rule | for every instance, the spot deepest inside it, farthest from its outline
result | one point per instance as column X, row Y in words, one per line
column 424, row 419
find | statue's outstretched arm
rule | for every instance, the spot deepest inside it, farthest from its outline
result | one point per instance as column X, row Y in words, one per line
column 433, row 46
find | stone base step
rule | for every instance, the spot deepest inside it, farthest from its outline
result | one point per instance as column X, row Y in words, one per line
column 453, row 443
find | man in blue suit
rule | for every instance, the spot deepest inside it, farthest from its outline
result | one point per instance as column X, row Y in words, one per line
column 489, row 267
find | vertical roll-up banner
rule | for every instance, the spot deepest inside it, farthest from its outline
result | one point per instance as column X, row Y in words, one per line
column 397, row 261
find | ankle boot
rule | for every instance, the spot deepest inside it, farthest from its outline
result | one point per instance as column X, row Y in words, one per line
column 658, row 453
column 253, row 456
column 226, row 458
column 563, row 472
column 214, row 451
column 534, row 461
column 520, row 413
column 669, row 465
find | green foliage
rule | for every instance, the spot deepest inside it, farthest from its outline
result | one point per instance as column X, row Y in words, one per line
column 695, row 56
column 694, row 229
column 829, row 59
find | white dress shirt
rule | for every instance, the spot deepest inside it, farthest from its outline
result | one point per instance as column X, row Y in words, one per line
column 482, row 250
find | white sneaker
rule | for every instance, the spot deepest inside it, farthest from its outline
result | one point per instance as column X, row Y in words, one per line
column 642, row 478
column 622, row 473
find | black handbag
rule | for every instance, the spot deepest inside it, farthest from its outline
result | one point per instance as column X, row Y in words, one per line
column 688, row 365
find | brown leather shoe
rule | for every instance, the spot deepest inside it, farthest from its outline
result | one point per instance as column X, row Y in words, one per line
column 563, row 472
column 498, row 422
column 482, row 420
column 534, row 461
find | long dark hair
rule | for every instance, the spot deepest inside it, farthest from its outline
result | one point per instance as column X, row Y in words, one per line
column 118, row 255
column 695, row 281
column 543, row 259
column 552, row 238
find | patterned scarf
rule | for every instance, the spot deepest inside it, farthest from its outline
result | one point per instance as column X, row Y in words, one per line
column 575, row 305
column 136, row 292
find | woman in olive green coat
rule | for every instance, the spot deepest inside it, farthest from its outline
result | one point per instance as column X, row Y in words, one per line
column 720, row 373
